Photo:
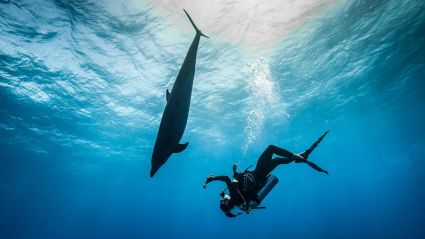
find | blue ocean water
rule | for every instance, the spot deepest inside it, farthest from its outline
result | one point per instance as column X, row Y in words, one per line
column 82, row 91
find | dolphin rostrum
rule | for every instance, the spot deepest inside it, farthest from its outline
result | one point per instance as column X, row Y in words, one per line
column 176, row 111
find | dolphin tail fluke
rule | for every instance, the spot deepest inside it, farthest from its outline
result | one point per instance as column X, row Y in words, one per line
column 194, row 26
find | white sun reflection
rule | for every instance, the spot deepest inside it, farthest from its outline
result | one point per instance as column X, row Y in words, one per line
column 253, row 24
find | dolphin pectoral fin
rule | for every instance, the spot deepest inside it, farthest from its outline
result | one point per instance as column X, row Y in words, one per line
column 180, row 147
column 167, row 95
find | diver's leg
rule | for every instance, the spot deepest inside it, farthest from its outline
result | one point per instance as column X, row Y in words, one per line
column 263, row 163
column 266, row 164
column 281, row 151
column 282, row 160
column 274, row 163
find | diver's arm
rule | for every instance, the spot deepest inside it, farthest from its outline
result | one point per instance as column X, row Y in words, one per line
column 224, row 179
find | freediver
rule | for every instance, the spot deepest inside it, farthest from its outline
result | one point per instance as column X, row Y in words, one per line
column 242, row 189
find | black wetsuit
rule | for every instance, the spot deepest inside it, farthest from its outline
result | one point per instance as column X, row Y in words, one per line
column 249, row 182
column 245, row 188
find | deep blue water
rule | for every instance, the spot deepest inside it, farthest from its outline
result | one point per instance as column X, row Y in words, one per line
column 82, row 90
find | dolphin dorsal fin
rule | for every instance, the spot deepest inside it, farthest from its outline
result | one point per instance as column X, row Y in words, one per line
column 167, row 95
column 180, row 147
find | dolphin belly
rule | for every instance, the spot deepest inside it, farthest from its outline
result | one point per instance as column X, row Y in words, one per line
column 171, row 130
column 173, row 123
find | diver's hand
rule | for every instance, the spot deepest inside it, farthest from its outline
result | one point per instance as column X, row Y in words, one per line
column 235, row 167
column 204, row 186
column 209, row 179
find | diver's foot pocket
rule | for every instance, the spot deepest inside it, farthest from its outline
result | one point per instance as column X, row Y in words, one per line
column 299, row 158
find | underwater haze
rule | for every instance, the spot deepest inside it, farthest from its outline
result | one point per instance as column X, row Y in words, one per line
column 82, row 92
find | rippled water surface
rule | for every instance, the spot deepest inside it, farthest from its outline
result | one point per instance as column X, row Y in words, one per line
column 82, row 91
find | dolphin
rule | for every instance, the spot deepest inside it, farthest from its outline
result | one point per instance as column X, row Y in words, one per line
column 174, row 118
